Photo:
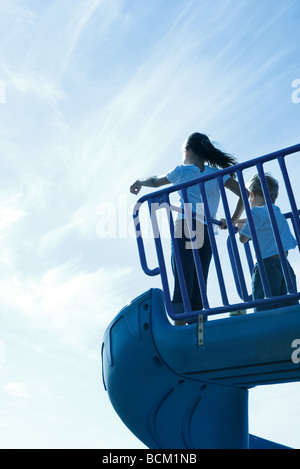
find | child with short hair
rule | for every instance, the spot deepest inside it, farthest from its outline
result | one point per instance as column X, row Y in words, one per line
column 266, row 241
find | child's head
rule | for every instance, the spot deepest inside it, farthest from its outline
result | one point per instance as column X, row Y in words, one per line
column 254, row 185
column 203, row 149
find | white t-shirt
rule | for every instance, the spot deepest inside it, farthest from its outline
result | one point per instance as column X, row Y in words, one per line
column 183, row 173
column 264, row 231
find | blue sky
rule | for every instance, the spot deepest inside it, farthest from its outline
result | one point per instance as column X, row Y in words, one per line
column 96, row 93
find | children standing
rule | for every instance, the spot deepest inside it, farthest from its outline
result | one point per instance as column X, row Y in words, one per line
column 267, row 242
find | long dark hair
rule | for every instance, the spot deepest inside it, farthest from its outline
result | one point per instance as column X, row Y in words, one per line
column 201, row 145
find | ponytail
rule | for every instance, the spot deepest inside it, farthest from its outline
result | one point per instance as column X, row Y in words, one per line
column 201, row 145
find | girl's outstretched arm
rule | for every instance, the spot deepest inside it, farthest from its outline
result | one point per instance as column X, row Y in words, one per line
column 154, row 181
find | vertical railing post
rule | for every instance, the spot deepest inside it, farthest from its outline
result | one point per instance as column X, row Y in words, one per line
column 259, row 259
column 296, row 221
column 275, row 229
column 160, row 256
column 177, row 259
column 213, row 245
column 140, row 243
column 232, row 238
column 196, row 256
column 249, row 257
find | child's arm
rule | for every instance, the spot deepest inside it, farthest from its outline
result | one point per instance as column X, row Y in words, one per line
column 240, row 225
column 154, row 181
column 234, row 187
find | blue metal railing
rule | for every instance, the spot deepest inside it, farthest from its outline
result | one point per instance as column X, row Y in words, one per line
column 161, row 200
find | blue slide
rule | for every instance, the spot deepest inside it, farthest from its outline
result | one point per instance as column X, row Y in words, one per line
column 187, row 387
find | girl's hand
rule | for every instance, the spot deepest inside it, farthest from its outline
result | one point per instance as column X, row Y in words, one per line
column 223, row 225
column 240, row 225
column 135, row 188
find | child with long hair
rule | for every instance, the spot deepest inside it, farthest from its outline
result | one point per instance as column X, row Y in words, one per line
column 200, row 158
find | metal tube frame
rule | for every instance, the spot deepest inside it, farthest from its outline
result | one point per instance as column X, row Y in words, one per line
column 247, row 302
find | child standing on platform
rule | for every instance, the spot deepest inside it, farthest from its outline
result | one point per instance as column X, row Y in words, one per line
column 200, row 158
column 267, row 242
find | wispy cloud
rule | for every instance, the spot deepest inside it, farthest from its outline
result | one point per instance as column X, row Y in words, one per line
column 67, row 302
column 16, row 389
column 99, row 93
column 45, row 54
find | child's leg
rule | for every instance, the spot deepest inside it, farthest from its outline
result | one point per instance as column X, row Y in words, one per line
column 257, row 288
column 276, row 282
column 186, row 257
column 284, row 289
column 205, row 254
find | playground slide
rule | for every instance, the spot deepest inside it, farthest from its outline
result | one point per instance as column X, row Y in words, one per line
column 173, row 393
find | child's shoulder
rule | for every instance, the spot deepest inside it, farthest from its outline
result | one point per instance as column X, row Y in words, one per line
column 259, row 211
column 259, row 214
column 263, row 210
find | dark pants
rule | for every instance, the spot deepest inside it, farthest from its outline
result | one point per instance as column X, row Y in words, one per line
column 189, row 270
column 276, row 282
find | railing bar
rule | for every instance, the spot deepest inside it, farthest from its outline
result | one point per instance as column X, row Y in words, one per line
column 214, row 245
column 290, row 215
column 196, row 256
column 249, row 257
column 247, row 305
column 140, row 244
column 261, row 267
column 275, row 229
column 224, row 172
column 160, row 256
column 236, row 261
column 232, row 237
column 178, row 262
column 234, row 271
column 295, row 212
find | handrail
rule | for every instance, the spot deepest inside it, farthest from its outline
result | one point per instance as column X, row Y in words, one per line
column 140, row 243
column 223, row 172
column 139, row 238
column 160, row 199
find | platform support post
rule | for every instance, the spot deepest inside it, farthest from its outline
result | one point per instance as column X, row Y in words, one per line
column 200, row 338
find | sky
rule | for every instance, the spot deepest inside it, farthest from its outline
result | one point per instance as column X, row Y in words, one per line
column 93, row 95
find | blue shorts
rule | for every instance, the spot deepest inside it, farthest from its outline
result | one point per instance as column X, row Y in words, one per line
column 276, row 282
